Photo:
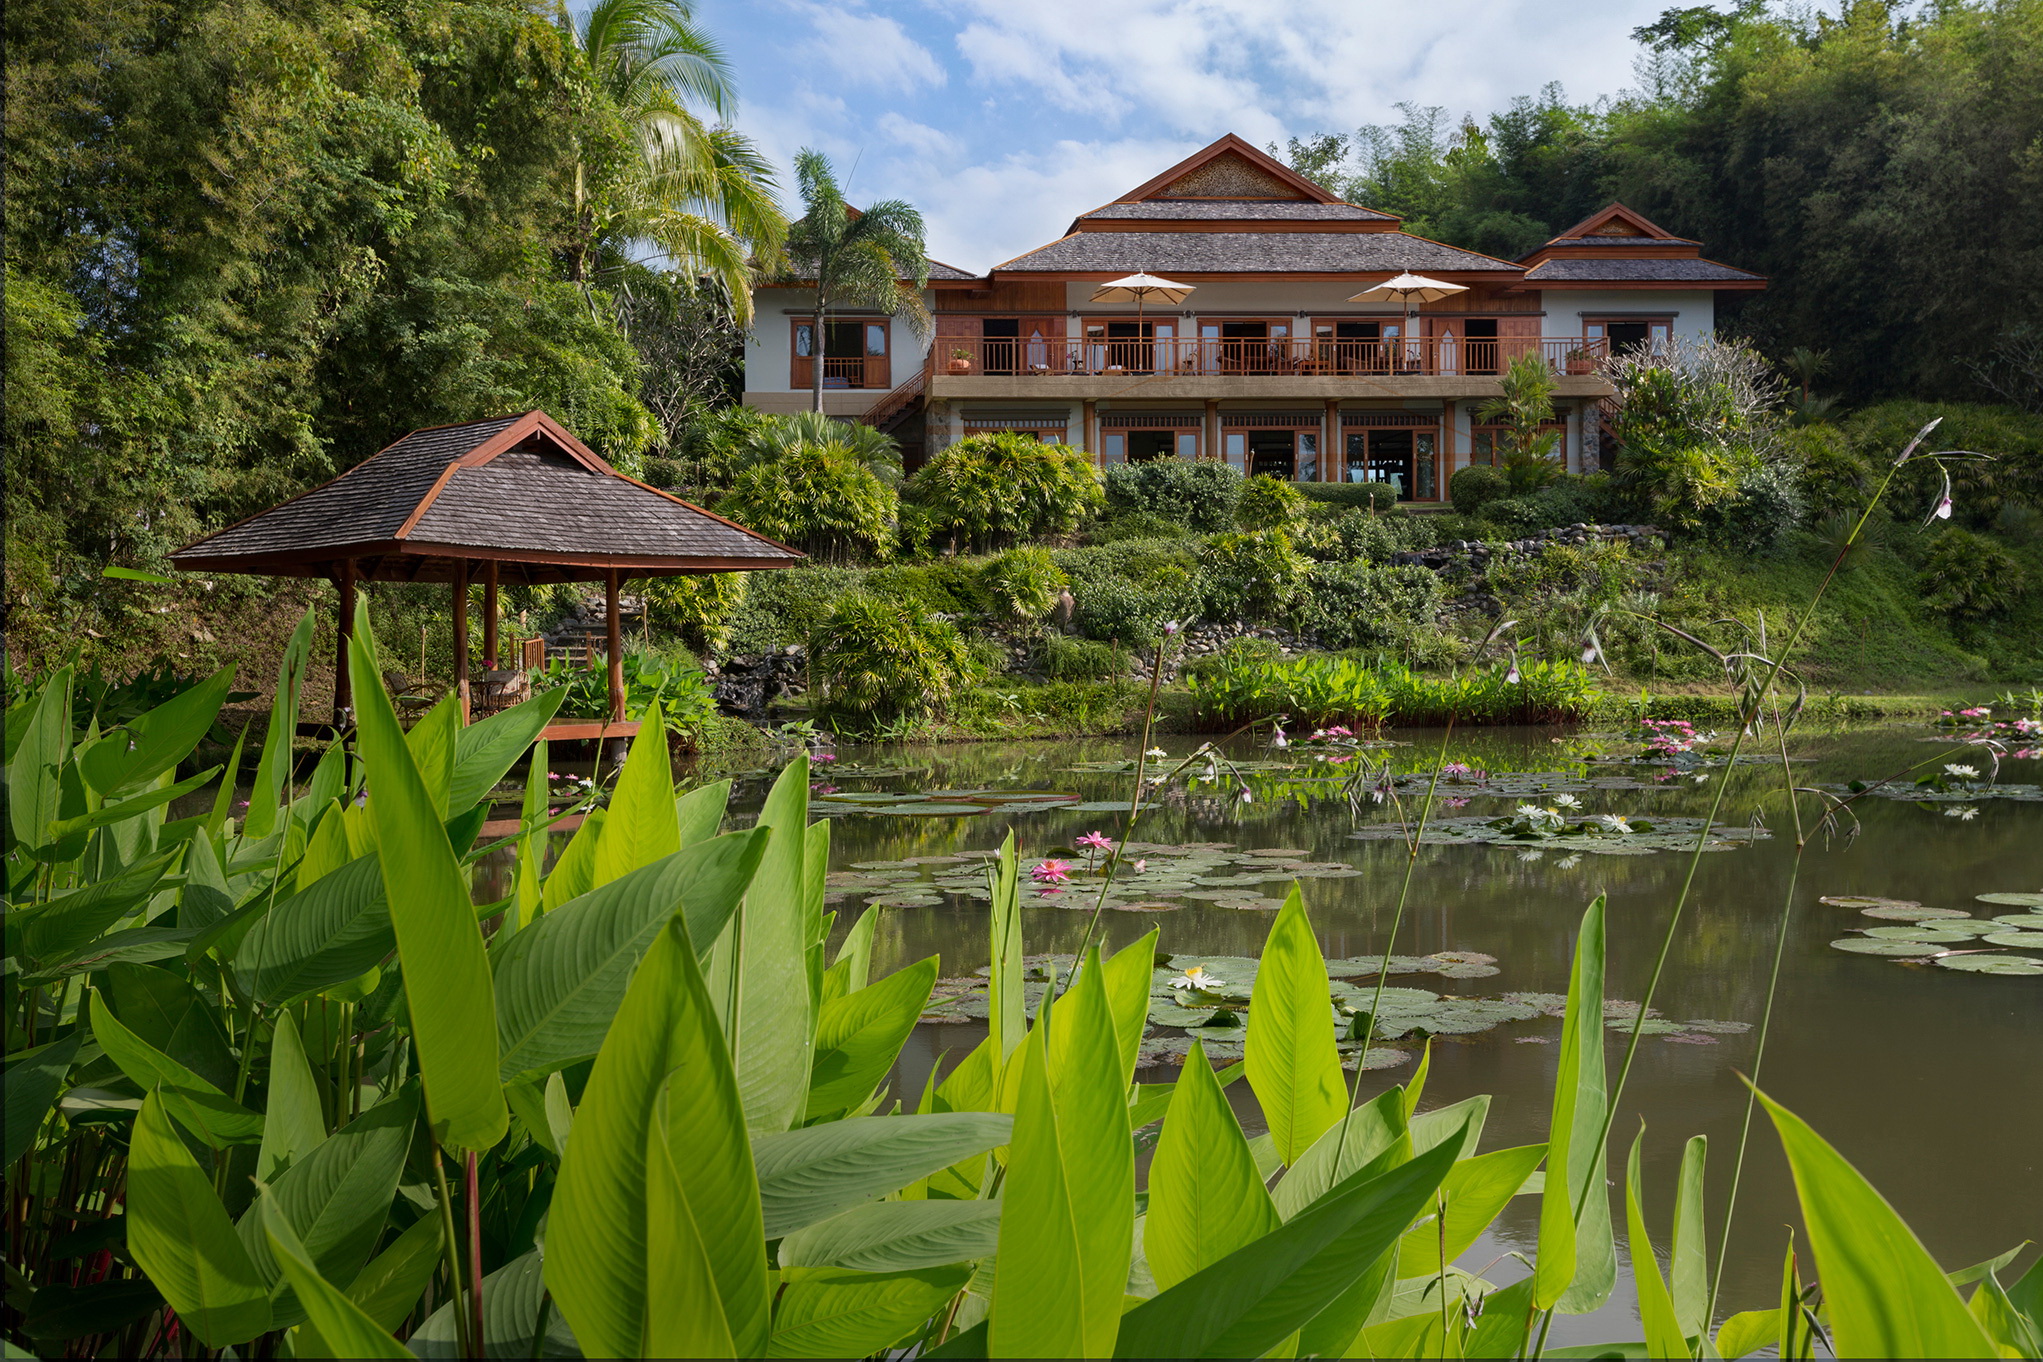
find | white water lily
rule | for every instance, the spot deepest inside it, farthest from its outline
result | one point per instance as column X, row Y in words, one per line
column 1614, row 822
column 1530, row 811
column 1963, row 812
column 1156, row 752
column 1962, row 772
column 1197, row 978
column 1569, row 862
column 1532, row 855
column 1566, row 801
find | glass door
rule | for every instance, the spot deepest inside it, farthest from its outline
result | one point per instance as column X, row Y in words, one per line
column 1405, row 458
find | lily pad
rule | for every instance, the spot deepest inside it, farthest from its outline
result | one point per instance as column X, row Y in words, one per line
column 1917, row 914
column 2027, row 920
column 1147, row 906
column 2028, row 940
column 2014, row 900
column 1866, row 901
column 1993, row 964
column 1930, row 934
column 1859, row 945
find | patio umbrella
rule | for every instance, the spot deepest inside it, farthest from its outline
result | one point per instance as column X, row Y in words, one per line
column 1409, row 289
column 1139, row 289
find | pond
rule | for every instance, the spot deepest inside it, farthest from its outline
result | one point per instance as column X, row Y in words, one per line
column 1926, row 1078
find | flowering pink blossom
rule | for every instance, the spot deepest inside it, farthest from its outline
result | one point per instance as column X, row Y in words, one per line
column 1051, row 872
column 1141, row 866
column 1097, row 841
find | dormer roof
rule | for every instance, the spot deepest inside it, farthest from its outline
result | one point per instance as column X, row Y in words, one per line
column 1618, row 247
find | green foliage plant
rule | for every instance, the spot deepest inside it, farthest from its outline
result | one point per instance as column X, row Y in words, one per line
column 680, row 690
column 874, row 661
column 1200, row 496
column 998, row 489
column 1476, row 486
column 1268, row 503
column 650, row 1049
column 1358, row 604
column 1523, row 407
column 1252, row 575
column 822, row 502
column 1970, row 577
column 1022, row 585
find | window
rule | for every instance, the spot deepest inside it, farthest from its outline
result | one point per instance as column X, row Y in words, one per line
column 1624, row 335
column 1488, row 442
column 1130, row 346
column 1289, row 454
column 1404, row 456
column 854, row 354
column 1354, row 347
column 1246, row 345
column 1139, row 438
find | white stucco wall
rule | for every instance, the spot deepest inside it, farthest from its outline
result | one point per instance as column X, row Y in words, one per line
column 1694, row 310
column 767, row 349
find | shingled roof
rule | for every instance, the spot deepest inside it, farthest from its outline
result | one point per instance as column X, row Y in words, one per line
column 1238, row 210
column 1671, row 270
column 517, row 490
column 1250, row 253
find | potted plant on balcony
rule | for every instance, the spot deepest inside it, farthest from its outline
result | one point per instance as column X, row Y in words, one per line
column 1580, row 360
column 961, row 361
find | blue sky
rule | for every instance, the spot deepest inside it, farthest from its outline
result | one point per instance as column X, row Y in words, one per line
column 1003, row 119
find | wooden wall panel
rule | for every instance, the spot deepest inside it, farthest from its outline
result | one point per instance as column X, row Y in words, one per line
column 1029, row 296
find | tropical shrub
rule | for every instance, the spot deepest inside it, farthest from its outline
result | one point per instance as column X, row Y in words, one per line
column 1369, row 496
column 1081, row 659
column 1251, row 576
column 1200, row 496
column 1524, row 406
column 1360, row 605
column 1568, row 500
column 1970, row 577
column 823, row 503
column 1268, row 503
column 873, row 661
column 699, row 609
column 1233, row 688
column 677, row 687
column 646, row 1048
column 1476, row 486
column 1835, row 477
column 1980, row 487
column 783, row 608
column 993, row 490
column 1695, row 421
column 1118, row 527
column 1022, row 585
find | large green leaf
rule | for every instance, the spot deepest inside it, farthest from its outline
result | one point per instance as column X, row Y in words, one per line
column 485, row 750
column 389, row 1285
column 826, row 1312
column 294, row 1124
column 700, row 812
column 1688, row 1264
column 559, row 981
column 1577, row 1262
column 178, row 1233
column 654, row 1238
column 273, row 771
column 431, row 742
column 1256, row 1297
column 1747, row 1332
column 770, row 1005
column 333, row 930
column 68, row 922
column 1067, row 1233
column 1656, row 1304
column 1008, row 1020
column 1477, row 1191
column 157, row 741
column 811, row 1174
column 447, row 985
column 574, row 873
column 1885, row 1295
column 1205, row 1197
column 34, row 1078
column 852, row 967
column 513, row 1302
column 1293, row 1063
column 1506, row 1319
column 640, row 827
column 200, row 1107
column 897, row 1236
column 337, row 1197
column 38, row 741
column 859, row 1036
column 1128, row 974
column 1360, row 1137
column 336, row 1326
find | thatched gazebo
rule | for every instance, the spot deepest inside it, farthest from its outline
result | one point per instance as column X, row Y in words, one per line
column 516, row 497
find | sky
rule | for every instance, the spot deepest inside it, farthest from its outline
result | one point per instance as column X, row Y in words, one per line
column 1004, row 119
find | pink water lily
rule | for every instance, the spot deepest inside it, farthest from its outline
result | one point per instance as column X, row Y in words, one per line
column 1097, row 841
column 1051, row 872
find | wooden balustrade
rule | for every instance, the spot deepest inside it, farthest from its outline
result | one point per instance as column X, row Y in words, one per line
column 1417, row 356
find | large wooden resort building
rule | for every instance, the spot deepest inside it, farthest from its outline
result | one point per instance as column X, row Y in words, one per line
column 1266, row 363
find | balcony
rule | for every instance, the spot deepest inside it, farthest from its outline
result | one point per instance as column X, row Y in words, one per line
column 1431, row 366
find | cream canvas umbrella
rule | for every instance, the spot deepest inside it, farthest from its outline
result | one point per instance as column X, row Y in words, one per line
column 1408, row 288
column 1139, row 288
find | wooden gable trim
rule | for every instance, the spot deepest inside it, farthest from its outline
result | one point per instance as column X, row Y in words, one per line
column 1611, row 213
column 1293, row 225
column 510, row 437
column 1262, row 161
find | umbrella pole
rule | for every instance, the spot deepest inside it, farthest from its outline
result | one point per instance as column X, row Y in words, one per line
column 461, row 635
column 343, row 684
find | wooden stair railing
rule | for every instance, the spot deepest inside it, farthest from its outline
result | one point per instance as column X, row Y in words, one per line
column 898, row 401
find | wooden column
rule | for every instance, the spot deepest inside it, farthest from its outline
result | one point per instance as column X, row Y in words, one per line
column 1089, row 423
column 461, row 635
column 613, row 629
column 1213, row 449
column 344, row 631
column 1330, row 445
column 489, row 615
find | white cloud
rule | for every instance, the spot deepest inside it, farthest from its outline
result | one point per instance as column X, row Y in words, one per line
column 918, row 137
column 871, row 50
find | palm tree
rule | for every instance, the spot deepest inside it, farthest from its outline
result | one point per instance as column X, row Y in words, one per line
column 862, row 259
column 701, row 195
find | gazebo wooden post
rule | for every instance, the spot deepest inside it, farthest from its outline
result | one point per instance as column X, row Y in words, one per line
column 489, row 615
column 344, row 632
column 613, row 629
column 461, row 635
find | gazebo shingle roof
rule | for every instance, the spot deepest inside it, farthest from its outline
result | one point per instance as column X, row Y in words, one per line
column 518, row 490
column 1237, row 210
column 1673, row 270
column 1251, row 253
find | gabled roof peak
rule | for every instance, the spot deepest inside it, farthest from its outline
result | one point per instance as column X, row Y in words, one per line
column 1616, row 224
column 1230, row 168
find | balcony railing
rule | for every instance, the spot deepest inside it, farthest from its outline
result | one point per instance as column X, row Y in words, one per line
column 1414, row 357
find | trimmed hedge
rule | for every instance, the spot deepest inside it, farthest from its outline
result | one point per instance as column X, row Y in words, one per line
column 1378, row 496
